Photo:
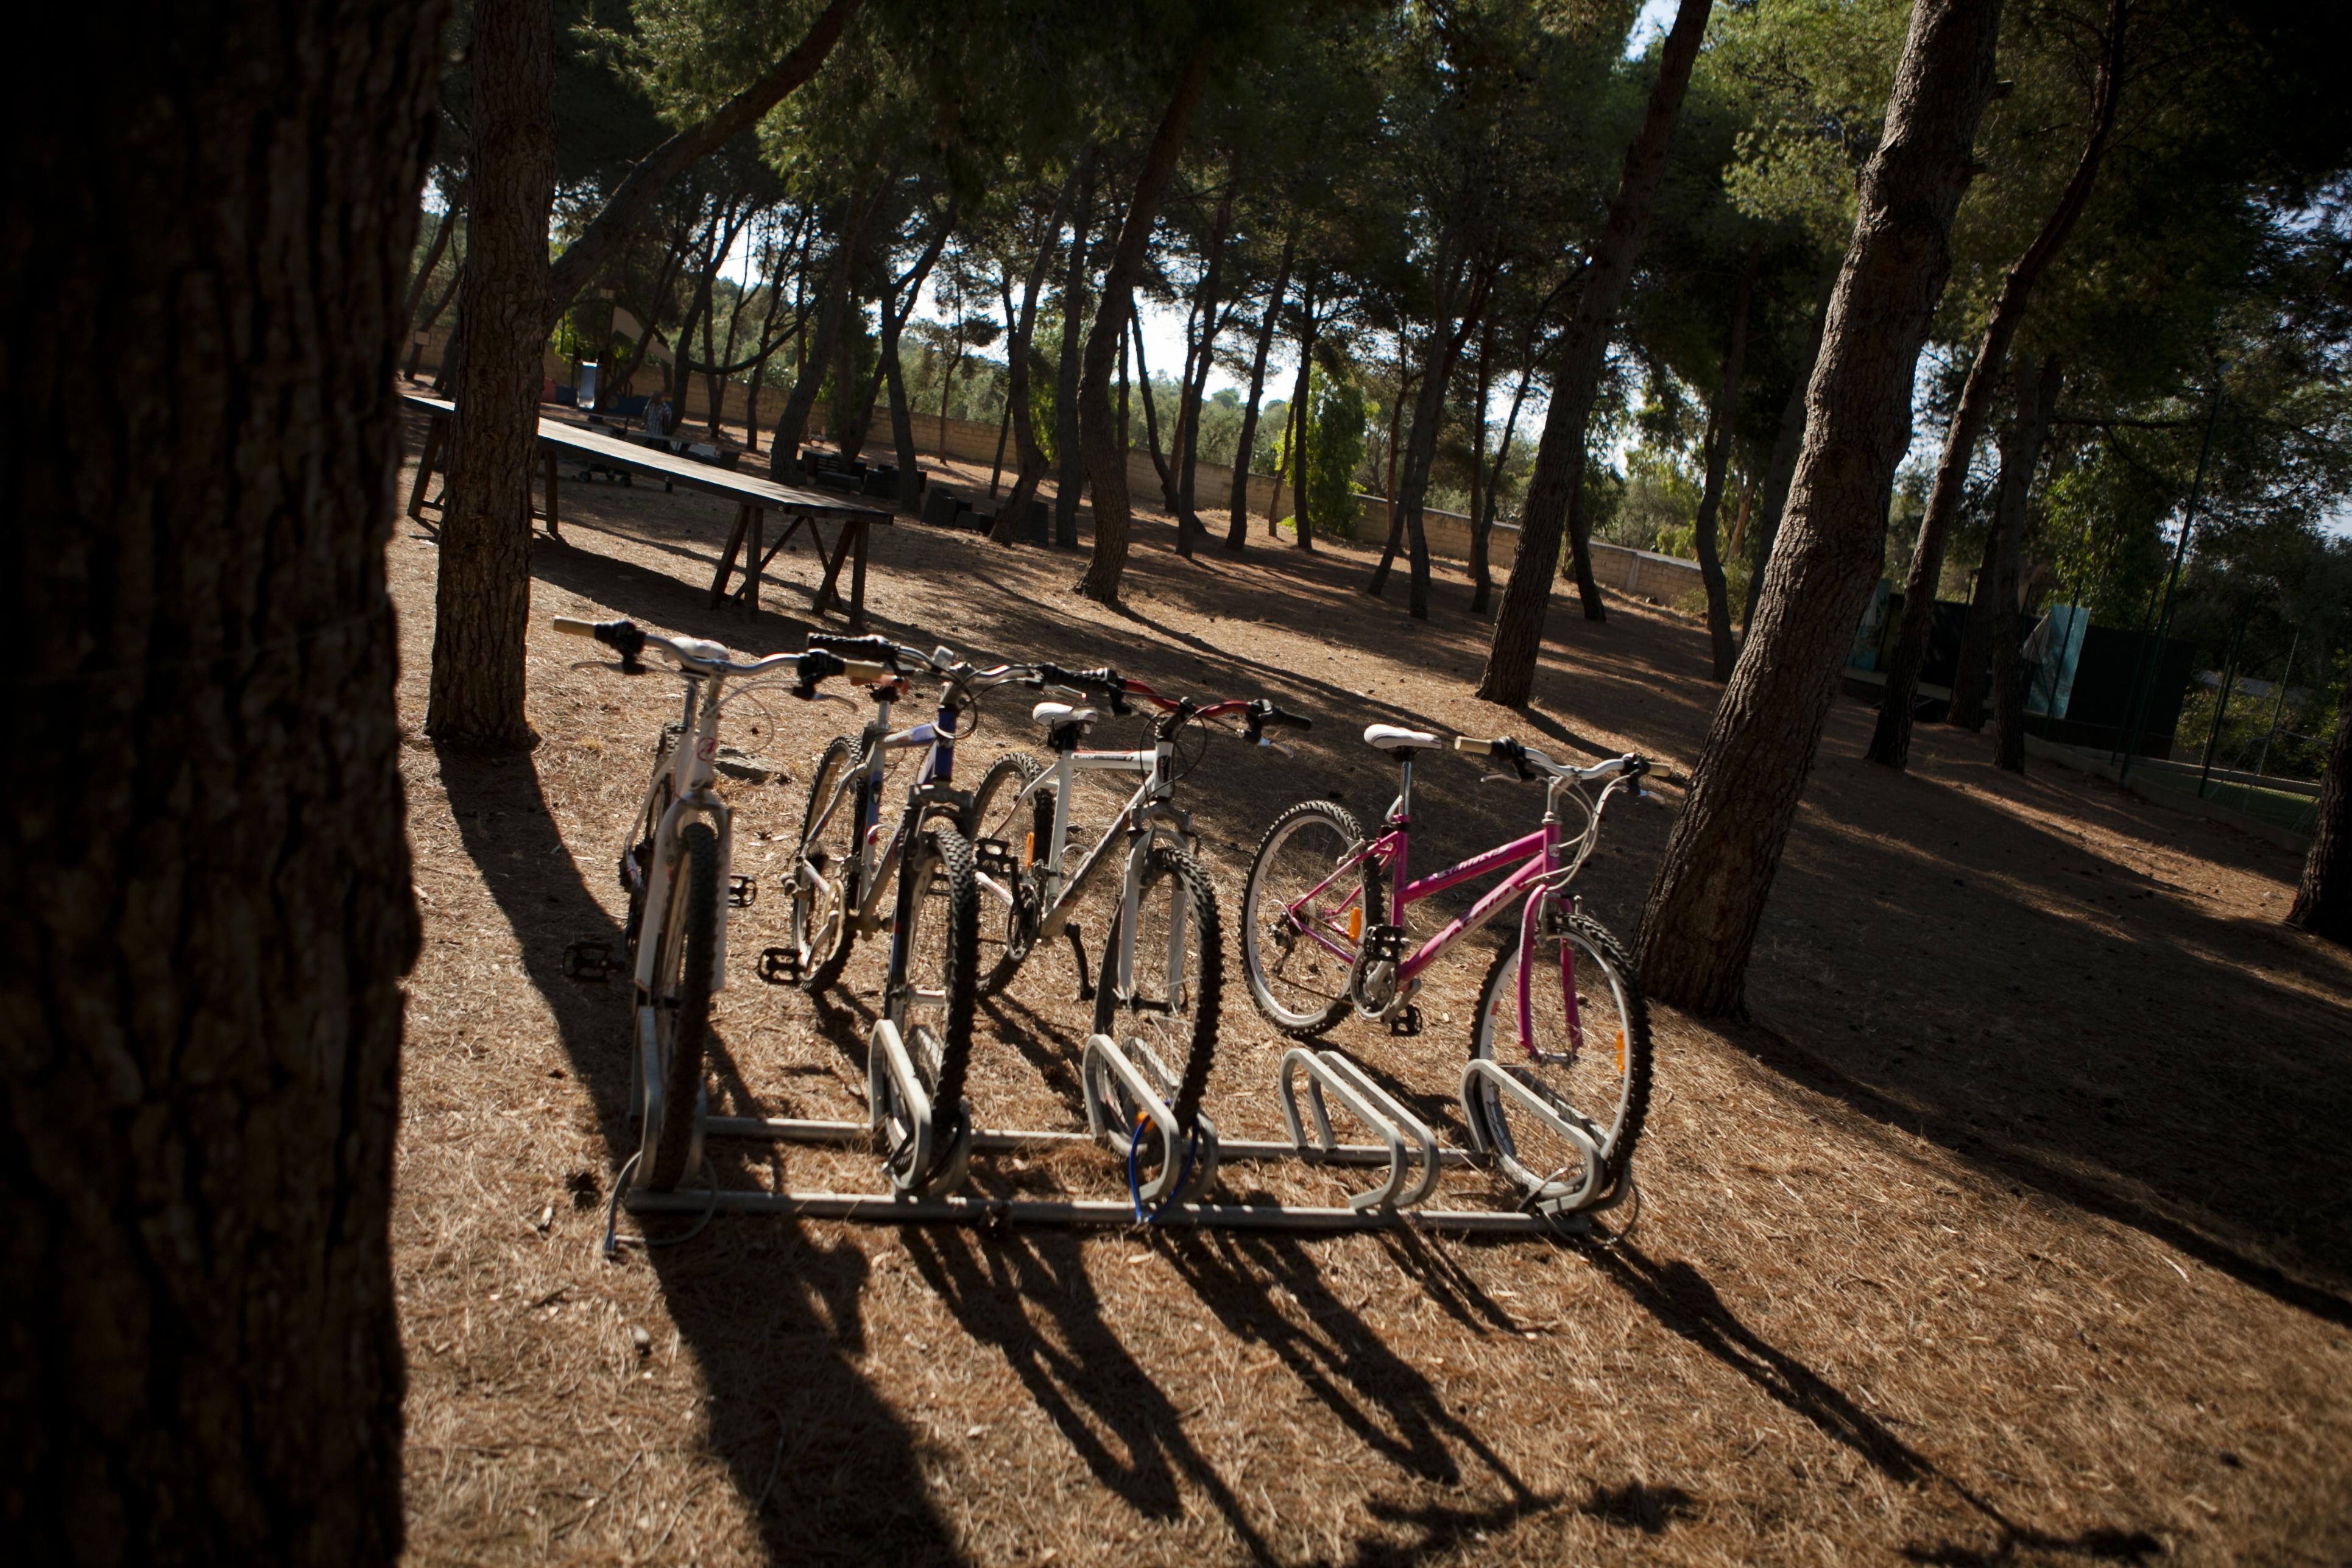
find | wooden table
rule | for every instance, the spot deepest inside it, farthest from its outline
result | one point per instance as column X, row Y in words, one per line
column 753, row 497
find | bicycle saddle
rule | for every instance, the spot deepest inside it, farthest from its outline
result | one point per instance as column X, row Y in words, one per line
column 1390, row 737
column 1053, row 713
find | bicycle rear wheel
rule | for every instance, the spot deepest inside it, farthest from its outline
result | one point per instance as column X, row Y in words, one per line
column 669, row 1146
column 1172, row 995
column 931, row 994
column 1593, row 1068
column 824, row 881
column 1303, row 914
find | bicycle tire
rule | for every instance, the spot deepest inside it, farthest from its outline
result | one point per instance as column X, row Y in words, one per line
column 1258, row 966
column 939, row 861
column 1165, row 863
column 1031, row 841
column 1623, row 1132
column 842, row 760
column 690, row 947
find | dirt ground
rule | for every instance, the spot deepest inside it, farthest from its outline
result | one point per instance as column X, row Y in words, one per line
column 2016, row 1227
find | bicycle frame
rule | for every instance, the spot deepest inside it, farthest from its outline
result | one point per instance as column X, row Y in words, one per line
column 1539, row 874
column 1149, row 815
column 877, row 867
column 690, row 771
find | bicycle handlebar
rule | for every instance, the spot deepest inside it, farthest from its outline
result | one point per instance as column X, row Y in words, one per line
column 1527, row 761
column 630, row 641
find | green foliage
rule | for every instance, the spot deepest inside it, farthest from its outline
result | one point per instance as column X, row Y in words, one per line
column 1657, row 505
column 1335, row 447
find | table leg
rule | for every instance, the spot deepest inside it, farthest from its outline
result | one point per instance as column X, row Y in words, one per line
column 425, row 461
column 751, row 562
column 554, row 519
column 826, row 595
column 727, row 561
column 858, row 578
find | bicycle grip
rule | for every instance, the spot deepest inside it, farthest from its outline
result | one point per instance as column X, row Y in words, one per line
column 861, row 673
column 1471, row 744
column 572, row 627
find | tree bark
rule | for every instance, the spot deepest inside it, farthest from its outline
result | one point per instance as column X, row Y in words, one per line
column 2037, row 397
column 1196, row 381
column 1296, row 439
column 897, row 308
column 1722, row 430
column 1152, row 424
column 1890, row 741
column 1559, row 474
column 202, row 860
column 1107, row 466
column 482, row 602
column 1455, row 319
column 1245, row 447
column 1030, row 457
column 2323, row 900
column 1726, row 845
column 1070, row 468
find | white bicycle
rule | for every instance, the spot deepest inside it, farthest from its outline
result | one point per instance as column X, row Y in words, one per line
column 673, row 866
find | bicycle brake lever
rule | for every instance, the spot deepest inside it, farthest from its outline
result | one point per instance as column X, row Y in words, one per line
column 1498, row 778
column 1275, row 746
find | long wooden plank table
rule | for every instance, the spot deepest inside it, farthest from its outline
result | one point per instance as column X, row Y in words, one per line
column 754, row 498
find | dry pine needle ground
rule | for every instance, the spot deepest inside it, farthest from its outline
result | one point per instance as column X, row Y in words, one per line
column 2014, row 1229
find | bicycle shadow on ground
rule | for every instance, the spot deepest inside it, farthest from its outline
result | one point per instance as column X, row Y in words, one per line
column 786, row 1399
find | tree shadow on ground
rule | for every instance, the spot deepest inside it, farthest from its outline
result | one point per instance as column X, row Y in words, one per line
column 786, row 1399
column 1685, row 1303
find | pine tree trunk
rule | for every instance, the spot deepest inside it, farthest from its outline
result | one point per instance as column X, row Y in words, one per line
column 1726, row 845
column 1245, row 447
column 2323, row 900
column 482, row 601
column 1196, row 384
column 1785, row 448
column 202, row 858
column 1890, row 740
column 1968, row 706
column 1296, row 442
column 1482, row 535
column 1030, row 460
column 1070, row 467
column 1106, row 465
column 1722, row 429
column 2037, row 395
column 416, row 334
column 791, row 425
column 1559, row 476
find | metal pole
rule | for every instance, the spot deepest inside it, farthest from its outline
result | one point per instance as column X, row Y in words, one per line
column 2278, row 709
column 2155, row 650
column 2222, row 705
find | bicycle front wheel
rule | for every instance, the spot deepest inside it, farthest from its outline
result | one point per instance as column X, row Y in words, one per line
column 1303, row 914
column 684, row 972
column 1175, row 982
column 931, row 994
column 824, row 878
column 1586, row 1055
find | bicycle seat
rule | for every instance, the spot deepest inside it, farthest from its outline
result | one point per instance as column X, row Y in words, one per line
column 1053, row 713
column 1390, row 737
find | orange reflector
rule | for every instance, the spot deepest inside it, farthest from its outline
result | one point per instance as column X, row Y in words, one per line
column 1621, row 1053
column 1029, row 849
column 1356, row 924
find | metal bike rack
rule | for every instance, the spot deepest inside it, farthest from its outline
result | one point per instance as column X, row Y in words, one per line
column 1328, row 1072
column 1483, row 1071
column 902, row 1125
column 1148, row 1083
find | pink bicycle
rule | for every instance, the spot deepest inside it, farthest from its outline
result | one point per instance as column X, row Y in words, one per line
column 1559, row 1077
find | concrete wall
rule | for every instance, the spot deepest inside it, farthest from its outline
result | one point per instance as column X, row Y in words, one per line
column 1640, row 574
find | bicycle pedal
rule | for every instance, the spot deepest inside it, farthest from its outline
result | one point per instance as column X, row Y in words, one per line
column 742, row 891
column 782, row 966
column 992, row 858
column 1383, row 944
column 1406, row 1022
column 589, row 963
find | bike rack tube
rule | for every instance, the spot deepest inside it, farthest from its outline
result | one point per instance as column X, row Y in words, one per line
column 1375, row 1108
column 1484, row 1069
column 902, row 1120
column 1105, row 1060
